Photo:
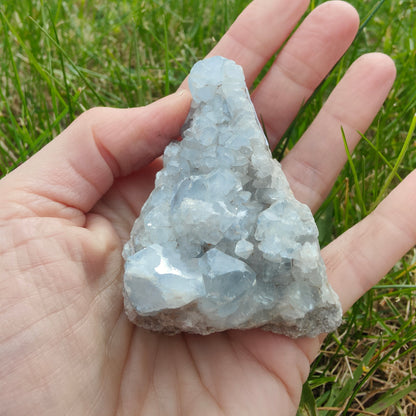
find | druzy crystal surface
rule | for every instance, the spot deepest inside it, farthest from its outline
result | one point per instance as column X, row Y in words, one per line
column 221, row 242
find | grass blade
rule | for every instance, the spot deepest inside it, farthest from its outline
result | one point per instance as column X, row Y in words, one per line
column 379, row 154
column 61, row 60
column 390, row 399
column 372, row 13
column 396, row 165
column 16, row 75
column 166, row 46
column 307, row 400
column 33, row 61
column 354, row 174
column 72, row 63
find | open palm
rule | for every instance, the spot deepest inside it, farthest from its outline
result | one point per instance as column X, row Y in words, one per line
column 66, row 346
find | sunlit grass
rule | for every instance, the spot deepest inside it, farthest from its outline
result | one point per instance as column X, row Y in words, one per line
column 60, row 58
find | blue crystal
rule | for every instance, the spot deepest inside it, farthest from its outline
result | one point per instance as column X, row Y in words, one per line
column 221, row 242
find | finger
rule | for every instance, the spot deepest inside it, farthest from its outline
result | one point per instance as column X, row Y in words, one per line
column 314, row 163
column 305, row 60
column 360, row 257
column 80, row 165
column 258, row 33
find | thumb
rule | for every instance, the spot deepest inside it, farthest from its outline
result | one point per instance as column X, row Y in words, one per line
column 80, row 165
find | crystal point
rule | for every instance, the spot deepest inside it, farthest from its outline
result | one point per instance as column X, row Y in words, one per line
column 221, row 242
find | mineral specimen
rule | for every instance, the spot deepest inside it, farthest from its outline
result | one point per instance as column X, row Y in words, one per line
column 221, row 242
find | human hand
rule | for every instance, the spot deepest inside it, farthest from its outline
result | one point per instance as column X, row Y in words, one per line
column 66, row 346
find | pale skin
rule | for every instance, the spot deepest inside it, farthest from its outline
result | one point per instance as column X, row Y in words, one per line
column 66, row 347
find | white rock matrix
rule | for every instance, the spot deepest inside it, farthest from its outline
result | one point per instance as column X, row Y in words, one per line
column 222, row 243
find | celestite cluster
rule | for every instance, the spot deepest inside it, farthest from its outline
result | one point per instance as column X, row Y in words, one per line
column 221, row 242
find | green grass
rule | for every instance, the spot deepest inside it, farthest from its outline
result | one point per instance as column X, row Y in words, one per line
column 59, row 58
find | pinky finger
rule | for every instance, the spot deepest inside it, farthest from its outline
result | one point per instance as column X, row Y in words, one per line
column 360, row 257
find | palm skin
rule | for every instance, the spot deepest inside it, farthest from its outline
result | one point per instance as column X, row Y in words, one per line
column 66, row 346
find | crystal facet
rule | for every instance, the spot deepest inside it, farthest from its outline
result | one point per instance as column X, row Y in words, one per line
column 221, row 241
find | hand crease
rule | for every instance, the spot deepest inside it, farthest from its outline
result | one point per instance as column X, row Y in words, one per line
column 198, row 373
column 310, row 173
column 151, row 384
column 340, row 119
column 99, row 192
column 106, row 155
column 280, row 382
column 294, row 77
